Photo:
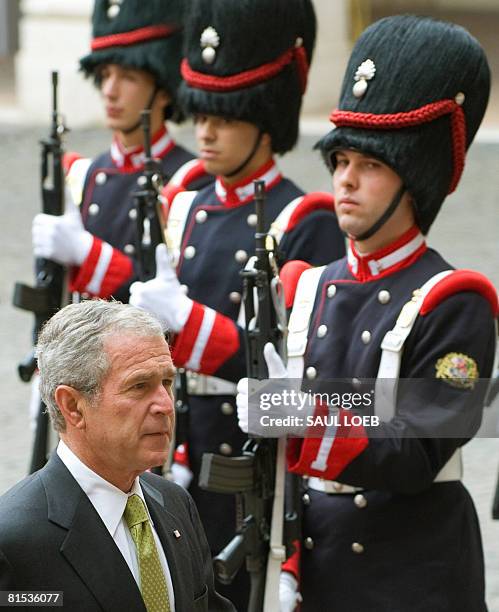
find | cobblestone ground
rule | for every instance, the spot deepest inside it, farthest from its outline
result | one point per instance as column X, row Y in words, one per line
column 466, row 233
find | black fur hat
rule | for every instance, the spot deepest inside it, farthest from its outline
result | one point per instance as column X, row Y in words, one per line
column 139, row 34
column 248, row 60
column 433, row 80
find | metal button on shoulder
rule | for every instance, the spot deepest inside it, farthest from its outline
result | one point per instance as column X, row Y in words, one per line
column 384, row 296
column 241, row 256
column 251, row 220
column 201, row 216
column 142, row 181
column 357, row 548
column 132, row 214
column 184, row 289
column 311, row 373
column 306, row 499
column 234, row 297
column 309, row 543
column 225, row 449
column 100, row 178
column 227, row 408
column 360, row 501
column 331, row 291
column 129, row 249
column 93, row 209
column 366, row 336
column 189, row 252
column 321, row 331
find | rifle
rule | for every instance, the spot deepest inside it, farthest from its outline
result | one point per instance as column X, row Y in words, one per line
column 257, row 477
column 150, row 231
column 48, row 294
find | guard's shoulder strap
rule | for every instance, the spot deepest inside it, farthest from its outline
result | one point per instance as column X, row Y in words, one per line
column 177, row 218
column 75, row 179
column 392, row 348
column 299, row 319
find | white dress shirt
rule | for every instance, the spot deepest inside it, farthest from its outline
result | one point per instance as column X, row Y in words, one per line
column 109, row 503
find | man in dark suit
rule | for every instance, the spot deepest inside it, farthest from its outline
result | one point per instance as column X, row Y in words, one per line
column 91, row 523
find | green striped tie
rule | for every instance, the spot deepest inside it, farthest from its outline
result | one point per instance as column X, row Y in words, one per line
column 152, row 578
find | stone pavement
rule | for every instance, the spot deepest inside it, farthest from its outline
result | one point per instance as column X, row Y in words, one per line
column 465, row 233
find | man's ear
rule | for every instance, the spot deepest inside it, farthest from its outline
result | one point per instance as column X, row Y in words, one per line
column 163, row 98
column 71, row 403
column 266, row 140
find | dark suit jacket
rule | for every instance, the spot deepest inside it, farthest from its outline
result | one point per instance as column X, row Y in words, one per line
column 51, row 538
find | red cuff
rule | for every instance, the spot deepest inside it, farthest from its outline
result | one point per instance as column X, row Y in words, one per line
column 181, row 455
column 118, row 270
column 292, row 564
column 349, row 441
column 183, row 343
column 222, row 344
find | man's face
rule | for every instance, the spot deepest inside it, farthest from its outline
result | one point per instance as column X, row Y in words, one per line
column 126, row 92
column 129, row 427
column 224, row 144
column 364, row 187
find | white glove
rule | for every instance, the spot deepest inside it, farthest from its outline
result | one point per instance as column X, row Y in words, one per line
column 289, row 596
column 61, row 238
column 162, row 295
column 181, row 475
column 276, row 370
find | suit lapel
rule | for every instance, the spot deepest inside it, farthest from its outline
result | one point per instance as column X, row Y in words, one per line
column 88, row 546
column 176, row 551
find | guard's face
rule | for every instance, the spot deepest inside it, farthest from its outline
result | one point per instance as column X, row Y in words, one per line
column 364, row 187
column 129, row 429
column 126, row 92
column 224, row 144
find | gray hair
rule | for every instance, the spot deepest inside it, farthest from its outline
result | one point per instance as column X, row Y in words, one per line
column 70, row 347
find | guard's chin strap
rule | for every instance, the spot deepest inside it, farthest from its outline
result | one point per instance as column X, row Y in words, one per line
column 384, row 217
column 249, row 158
column 148, row 107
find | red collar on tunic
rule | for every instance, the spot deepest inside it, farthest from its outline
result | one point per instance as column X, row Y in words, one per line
column 388, row 260
column 132, row 159
column 242, row 192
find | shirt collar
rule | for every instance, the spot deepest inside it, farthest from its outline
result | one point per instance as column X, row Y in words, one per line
column 242, row 192
column 108, row 500
column 132, row 159
column 402, row 252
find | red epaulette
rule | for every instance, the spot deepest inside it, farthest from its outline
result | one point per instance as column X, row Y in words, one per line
column 69, row 159
column 183, row 179
column 290, row 275
column 317, row 200
column 457, row 281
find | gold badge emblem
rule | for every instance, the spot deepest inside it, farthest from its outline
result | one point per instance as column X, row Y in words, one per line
column 458, row 370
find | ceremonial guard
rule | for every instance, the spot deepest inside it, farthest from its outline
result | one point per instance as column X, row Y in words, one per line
column 387, row 522
column 245, row 73
column 135, row 63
